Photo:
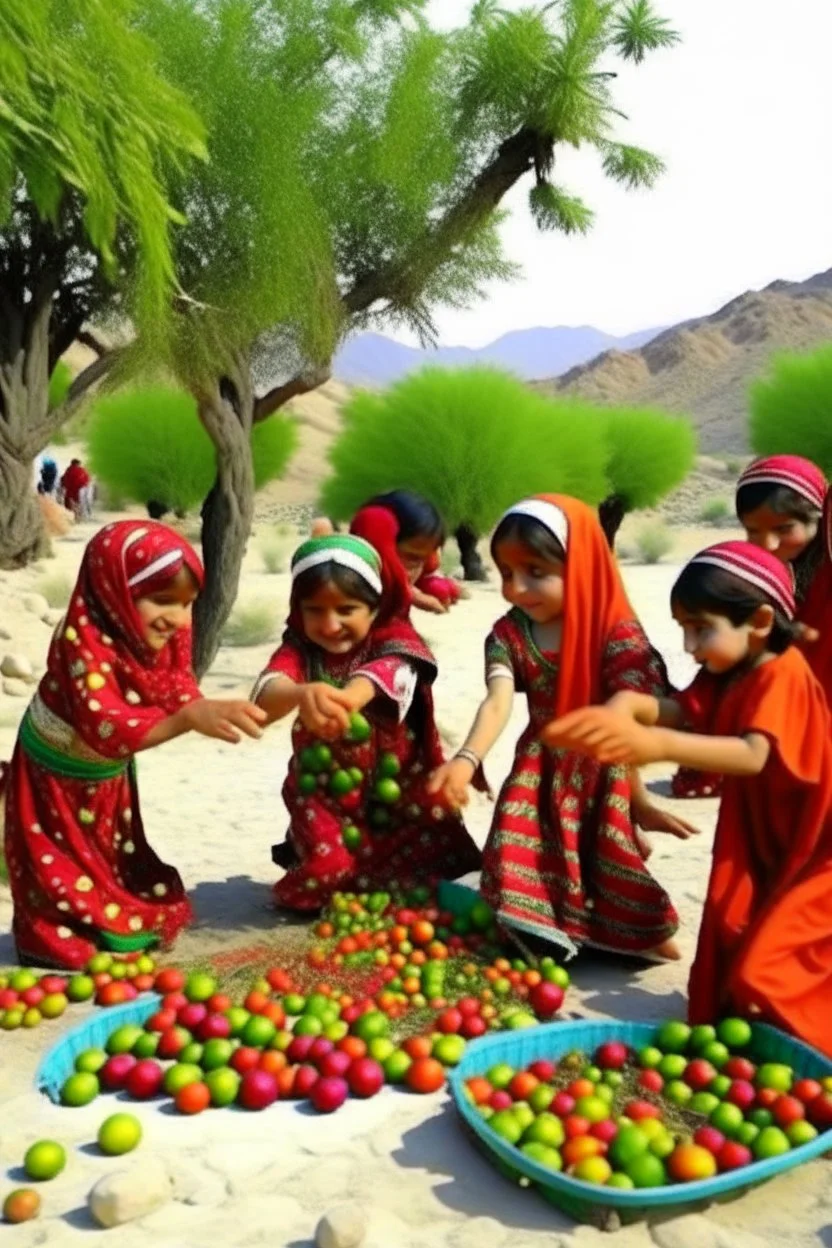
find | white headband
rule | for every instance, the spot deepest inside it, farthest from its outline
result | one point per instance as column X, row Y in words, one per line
column 164, row 561
column 345, row 559
column 547, row 514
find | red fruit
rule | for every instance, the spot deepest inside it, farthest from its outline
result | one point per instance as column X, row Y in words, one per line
column 741, row 1093
column 562, row 1104
column 650, row 1081
column 546, row 999
column 113, row 993
column 144, row 1080
column 329, row 1094
column 806, row 1090
column 710, row 1138
column 299, row 1049
column 193, row 1098
column 449, row 1022
column 169, row 980
column 244, row 1058
column 637, row 1110
column 335, row 1065
column 172, row 1042
column 425, row 1075
column 192, row 1015
column 733, row 1156
column 174, row 1001
column 543, row 1070
column 365, row 1077
column 606, row 1130
column 219, row 1003
column 115, row 1070
column 33, row 995
column 8, row 998
column 788, row 1109
column 214, row 1027
column 473, row 1026
column 581, row 1087
column 574, row 1126
column 500, row 1100
column 53, row 983
column 406, row 917
column 305, row 1079
column 162, row 1020
column 101, row 979
column 279, row 981
column 698, row 1074
column 319, row 1049
column 130, row 991
column 609, row 1056
column 765, row 1098
column 257, row 1089
column 144, row 983
column 468, row 1005
column 350, row 1013
column 820, row 1111
column 739, row 1068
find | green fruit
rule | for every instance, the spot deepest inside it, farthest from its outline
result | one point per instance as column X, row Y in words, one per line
column 507, row 1125
column 613, row 1078
column 450, row 1050
column 678, row 1092
column 800, row 1132
column 216, row 1053
column 501, row 1075
column 620, row 1180
column 359, row 729
column 480, row 915
column 356, row 775
column 662, row 1144
column 771, row 1142
column 21, row 980
column 672, row 1066
column 593, row 1073
column 760, row 1118
column 200, row 986
column 258, row 1032
column 775, row 1075
column 541, row 1097
column 523, row 1113
column 546, row 1129
column 323, row 757
column 336, row 1031
column 388, row 791
column 370, row 1025
column 80, row 988
column 396, row 1066
column 380, row 1048
column 716, row 1053
column 388, row 768
column 294, row 1004
column 647, row 1171
column 340, row 783
column 735, row 1032
column 727, row 1118
column 32, row 1017
column 649, row 1057
column 543, row 1155
column 53, row 1005
column 91, row 1061
column 146, row 1045
column 80, row 1089
column 747, row 1134
column 701, row 1035
column 308, row 1025
column 557, row 975
column 191, row 1055
column 593, row 1108
column 123, row 1038
column 629, row 1144
column 44, row 1160
column 307, row 783
column 180, row 1075
column 223, row 1084
column 119, row 1134
column 673, row 1036
column 720, row 1086
column 703, row 1103
column 237, row 1017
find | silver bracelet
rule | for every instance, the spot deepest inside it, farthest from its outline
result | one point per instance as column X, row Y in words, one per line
column 470, row 757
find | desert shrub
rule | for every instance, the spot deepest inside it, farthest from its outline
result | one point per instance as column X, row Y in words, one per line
column 55, row 588
column 250, row 624
column 473, row 441
column 59, row 383
column 789, row 409
column 649, row 452
column 273, row 442
column 275, row 548
column 653, row 542
column 715, row 511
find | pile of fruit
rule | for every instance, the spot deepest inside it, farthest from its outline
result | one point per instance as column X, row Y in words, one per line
column 26, row 998
column 690, row 1105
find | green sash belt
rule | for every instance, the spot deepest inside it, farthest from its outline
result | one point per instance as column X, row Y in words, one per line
column 46, row 756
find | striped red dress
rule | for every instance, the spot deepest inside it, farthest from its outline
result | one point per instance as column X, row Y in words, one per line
column 561, row 860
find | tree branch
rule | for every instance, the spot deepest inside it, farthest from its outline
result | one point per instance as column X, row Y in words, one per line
column 90, row 375
column 88, row 339
column 301, row 384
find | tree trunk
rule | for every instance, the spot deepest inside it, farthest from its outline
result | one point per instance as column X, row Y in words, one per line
column 22, row 534
column 611, row 512
column 472, row 565
column 227, row 413
column 25, row 428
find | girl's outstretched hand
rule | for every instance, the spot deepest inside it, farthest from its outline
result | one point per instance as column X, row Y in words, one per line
column 325, row 710
column 652, row 818
column 605, row 735
column 225, row 718
column 450, row 782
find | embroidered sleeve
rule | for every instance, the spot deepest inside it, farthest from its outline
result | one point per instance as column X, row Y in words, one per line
column 499, row 661
column 287, row 663
column 631, row 663
column 394, row 679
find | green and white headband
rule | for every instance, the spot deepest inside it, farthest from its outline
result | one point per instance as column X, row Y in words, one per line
column 345, row 550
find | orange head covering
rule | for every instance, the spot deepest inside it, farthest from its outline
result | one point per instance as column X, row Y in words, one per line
column 594, row 598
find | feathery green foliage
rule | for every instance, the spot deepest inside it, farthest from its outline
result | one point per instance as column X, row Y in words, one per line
column 59, row 383
column 473, row 441
column 789, row 409
column 649, row 452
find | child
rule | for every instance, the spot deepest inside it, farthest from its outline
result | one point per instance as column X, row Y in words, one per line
column 118, row 680
column 779, row 502
column 562, row 859
column 348, row 648
column 765, row 945
column 405, row 524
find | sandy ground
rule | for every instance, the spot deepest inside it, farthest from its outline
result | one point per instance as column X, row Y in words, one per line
column 214, row 811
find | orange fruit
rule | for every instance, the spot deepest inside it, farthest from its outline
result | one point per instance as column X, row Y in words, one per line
column 422, row 932
column 480, row 1089
column 426, row 1074
column 353, row 1045
column 272, row 1061
column 418, row 1047
column 193, row 1098
column 522, row 1085
column 255, row 1002
column 324, row 930
column 581, row 1147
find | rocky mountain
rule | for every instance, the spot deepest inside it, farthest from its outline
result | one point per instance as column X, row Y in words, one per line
column 703, row 367
column 375, row 360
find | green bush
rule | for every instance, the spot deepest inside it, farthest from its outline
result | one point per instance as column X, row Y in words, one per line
column 59, row 383
column 789, row 409
column 715, row 511
column 653, row 542
column 250, row 624
column 149, row 443
column 473, row 441
column 649, row 452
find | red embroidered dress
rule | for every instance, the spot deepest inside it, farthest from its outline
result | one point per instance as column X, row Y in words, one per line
column 411, row 841
column 81, row 871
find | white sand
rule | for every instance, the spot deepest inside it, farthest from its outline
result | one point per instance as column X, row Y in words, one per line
column 241, row 1179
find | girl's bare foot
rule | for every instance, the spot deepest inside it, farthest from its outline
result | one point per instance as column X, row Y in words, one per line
column 644, row 846
column 667, row 951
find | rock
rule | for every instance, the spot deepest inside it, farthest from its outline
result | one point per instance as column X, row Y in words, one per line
column 36, row 603
column 15, row 688
column 53, row 616
column 131, row 1193
column 17, row 666
column 5, row 635
column 343, row 1227
column 696, row 1231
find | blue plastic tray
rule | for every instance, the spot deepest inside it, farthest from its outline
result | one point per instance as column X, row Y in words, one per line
column 593, row 1203
column 93, row 1033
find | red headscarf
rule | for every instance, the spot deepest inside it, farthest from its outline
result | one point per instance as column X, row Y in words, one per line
column 380, row 528
column 102, row 676
column 792, row 471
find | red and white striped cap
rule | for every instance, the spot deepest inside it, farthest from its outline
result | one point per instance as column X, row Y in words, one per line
column 755, row 566
column 793, row 471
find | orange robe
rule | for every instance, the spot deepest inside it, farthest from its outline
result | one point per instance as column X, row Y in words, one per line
column 766, row 934
column 815, row 611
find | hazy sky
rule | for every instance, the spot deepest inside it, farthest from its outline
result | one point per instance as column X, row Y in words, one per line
column 741, row 112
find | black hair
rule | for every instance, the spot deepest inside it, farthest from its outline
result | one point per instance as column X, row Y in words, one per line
column 350, row 583
column 416, row 515
column 786, row 502
column 705, row 587
column 516, row 527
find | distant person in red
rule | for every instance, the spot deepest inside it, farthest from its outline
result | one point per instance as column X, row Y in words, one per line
column 74, row 482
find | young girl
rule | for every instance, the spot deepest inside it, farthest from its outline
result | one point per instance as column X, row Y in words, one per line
column 779, row 502
column 562, row 859
column 118, row 680
column 359, row 814
column 406, row 525
column 765, row 945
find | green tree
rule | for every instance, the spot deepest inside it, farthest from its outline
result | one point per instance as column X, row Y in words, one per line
column 789, row 409
column 473, row 441
column 89, row 135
